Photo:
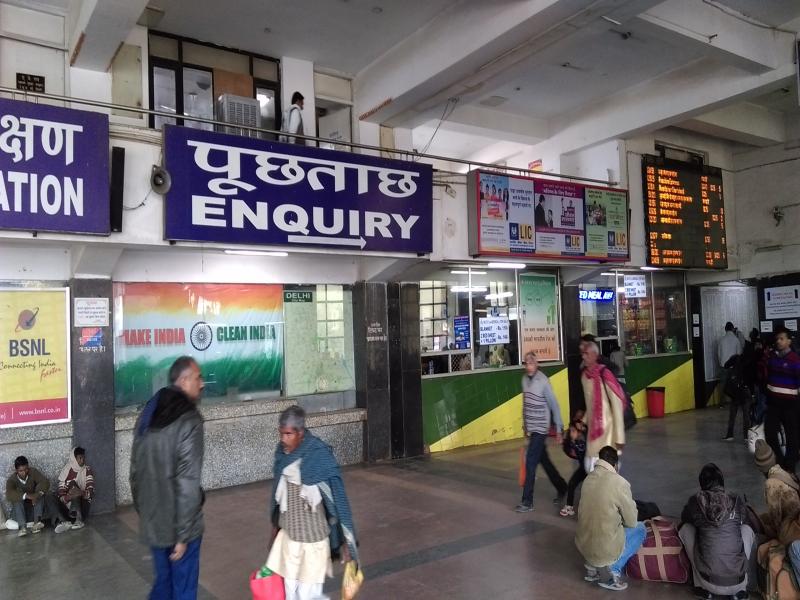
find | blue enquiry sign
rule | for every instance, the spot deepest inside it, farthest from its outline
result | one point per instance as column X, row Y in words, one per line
column 53, row 169
column 241, row 190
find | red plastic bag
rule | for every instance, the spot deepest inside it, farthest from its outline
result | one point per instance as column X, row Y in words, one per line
column 522, row 469
column 267, row 588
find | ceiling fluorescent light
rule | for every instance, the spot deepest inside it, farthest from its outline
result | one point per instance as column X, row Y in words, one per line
column 506, row 265
column 467, row 289
column 498, row 296
column 649, row 268
column 464, row 272
column 608, row 274
column 620, row 290
column 610, row 20
column 257, row 253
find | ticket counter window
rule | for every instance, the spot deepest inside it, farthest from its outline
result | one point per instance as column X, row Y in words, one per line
column 669, row 307
column 495, row 319
column 636, row 317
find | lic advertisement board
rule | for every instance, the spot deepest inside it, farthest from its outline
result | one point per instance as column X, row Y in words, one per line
column 239, row 190
column 543, row 218
column 53, row 169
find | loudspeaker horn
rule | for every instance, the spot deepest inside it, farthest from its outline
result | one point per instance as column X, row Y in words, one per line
column 160, row 180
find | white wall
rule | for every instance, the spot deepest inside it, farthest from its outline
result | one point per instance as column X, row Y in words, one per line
column 766, row 178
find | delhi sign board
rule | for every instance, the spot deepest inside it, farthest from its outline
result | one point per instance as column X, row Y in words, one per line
column 53, row 169
column 239, row 190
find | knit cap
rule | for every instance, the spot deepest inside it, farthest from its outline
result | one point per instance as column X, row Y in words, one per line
column 764, row 456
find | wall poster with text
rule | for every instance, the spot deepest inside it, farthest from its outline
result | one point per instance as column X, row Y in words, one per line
column 559, row 218
column 506, row 214
column 34, row 356
column 234, row 331
column 606, row 223
column 538, row 306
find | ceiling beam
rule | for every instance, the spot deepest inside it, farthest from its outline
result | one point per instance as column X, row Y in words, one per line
column 745, row 123
column 100, row 28
column 484, row 122
column 723, row 36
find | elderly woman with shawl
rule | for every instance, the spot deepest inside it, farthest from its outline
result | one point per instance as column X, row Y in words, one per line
column 310, row 512
column 75, row 491
column 605, row 409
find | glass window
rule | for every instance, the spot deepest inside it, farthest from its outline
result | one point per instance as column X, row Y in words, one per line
column 669, row 308
column 494, row 318
column 164, row 98
column 319, row 340
column 598, row 306
column 445, row 336
column 266, row 103
column 198, row 97
column 636, row 318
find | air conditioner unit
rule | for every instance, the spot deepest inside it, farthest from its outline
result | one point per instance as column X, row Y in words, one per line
column 239, row 111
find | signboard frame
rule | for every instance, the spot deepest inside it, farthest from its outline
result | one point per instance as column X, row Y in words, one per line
column 474, row 219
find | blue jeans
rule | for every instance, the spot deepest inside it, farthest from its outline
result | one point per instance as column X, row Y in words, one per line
column 176, row 580
column 794, row 557
column 634, row 538
column 537, row 453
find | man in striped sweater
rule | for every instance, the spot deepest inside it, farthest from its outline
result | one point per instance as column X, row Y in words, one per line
column 783, row 404
column 538, row 404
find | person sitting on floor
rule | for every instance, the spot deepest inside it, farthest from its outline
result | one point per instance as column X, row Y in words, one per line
column 26, row 491
column 608, row 533
column 75, row 491
column 717, row 541
column 782, row 495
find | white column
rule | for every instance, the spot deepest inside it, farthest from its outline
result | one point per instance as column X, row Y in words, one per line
column 297, row 75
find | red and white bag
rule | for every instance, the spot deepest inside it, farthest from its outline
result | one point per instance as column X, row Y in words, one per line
column 661, row 557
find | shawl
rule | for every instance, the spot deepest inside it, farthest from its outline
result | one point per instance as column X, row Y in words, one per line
column 319, row 468
column 599, row 375
column 80, row 472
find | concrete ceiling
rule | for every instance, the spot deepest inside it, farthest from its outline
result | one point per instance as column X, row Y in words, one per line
column 343, row 35
column 769, row 12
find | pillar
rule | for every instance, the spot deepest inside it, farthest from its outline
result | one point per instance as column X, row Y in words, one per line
column 93, row 396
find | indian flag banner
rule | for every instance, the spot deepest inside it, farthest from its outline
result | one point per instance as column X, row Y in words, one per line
column 234, row 331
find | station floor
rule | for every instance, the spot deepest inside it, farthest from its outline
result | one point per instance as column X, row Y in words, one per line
column 430, row 529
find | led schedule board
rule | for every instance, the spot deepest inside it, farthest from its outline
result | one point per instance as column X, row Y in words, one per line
column 684, row 214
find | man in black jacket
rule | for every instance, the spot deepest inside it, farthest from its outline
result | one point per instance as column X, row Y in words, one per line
column 166, row 466
column 717, row 540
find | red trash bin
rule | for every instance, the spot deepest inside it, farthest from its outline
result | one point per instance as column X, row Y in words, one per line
column 655, row 402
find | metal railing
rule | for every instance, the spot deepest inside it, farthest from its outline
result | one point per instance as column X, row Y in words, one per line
column 409, row 155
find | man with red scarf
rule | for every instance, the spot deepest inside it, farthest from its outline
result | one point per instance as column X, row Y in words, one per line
column 605, row 406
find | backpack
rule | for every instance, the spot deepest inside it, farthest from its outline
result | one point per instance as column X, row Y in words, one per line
column 286, row 118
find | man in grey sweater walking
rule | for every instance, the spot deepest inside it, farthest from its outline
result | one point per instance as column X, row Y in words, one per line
column 538, row 404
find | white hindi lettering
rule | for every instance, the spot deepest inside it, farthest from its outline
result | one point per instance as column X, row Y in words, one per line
column 285, row 170
column 18, row 138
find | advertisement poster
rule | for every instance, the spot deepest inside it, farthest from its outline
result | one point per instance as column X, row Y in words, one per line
column 461, row 332
column 559, row 218
column 782, row 302
column 606, row 223
column 494, row 195
column 234, row 331
column 493, row 330
column 34, row 357
column 539, row 315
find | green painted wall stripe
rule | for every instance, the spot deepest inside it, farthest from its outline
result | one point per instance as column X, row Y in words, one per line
column 449, row 403
column 641, row 372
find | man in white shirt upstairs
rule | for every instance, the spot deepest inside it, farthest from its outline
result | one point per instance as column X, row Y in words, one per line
column 294, row 118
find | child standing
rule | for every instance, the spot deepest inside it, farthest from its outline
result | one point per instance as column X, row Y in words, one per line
column 575, row 448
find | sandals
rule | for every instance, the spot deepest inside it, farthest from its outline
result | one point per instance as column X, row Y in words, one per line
column 567, row 511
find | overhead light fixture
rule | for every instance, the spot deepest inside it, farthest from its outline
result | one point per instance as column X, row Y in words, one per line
column 257, row 253
column 608, row 274
column 466, row 272
column 649, row 268
column 506, row 265
column 610, row 20
column 620, row 290
column 498, row 296
column 468, row 289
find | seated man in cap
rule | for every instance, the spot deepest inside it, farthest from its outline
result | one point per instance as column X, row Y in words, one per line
column 782, row 495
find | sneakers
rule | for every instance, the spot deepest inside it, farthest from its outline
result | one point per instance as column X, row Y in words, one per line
column 523, row 508
column 743, row 595
column 702, row 594
column 37, row 527
column 592, row 574
column 63, row 526
column 614, row 584
column 567, row 511
column 78, row 525
column 728, row 438
column 23, row 531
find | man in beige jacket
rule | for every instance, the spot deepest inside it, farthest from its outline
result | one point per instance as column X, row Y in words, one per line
column 608, row 532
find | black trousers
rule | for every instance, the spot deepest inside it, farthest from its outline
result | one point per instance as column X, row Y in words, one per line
column 577, row 478
column 781, row 413
column 735, row 407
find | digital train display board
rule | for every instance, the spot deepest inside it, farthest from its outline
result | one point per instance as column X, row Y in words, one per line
column 684, row 214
